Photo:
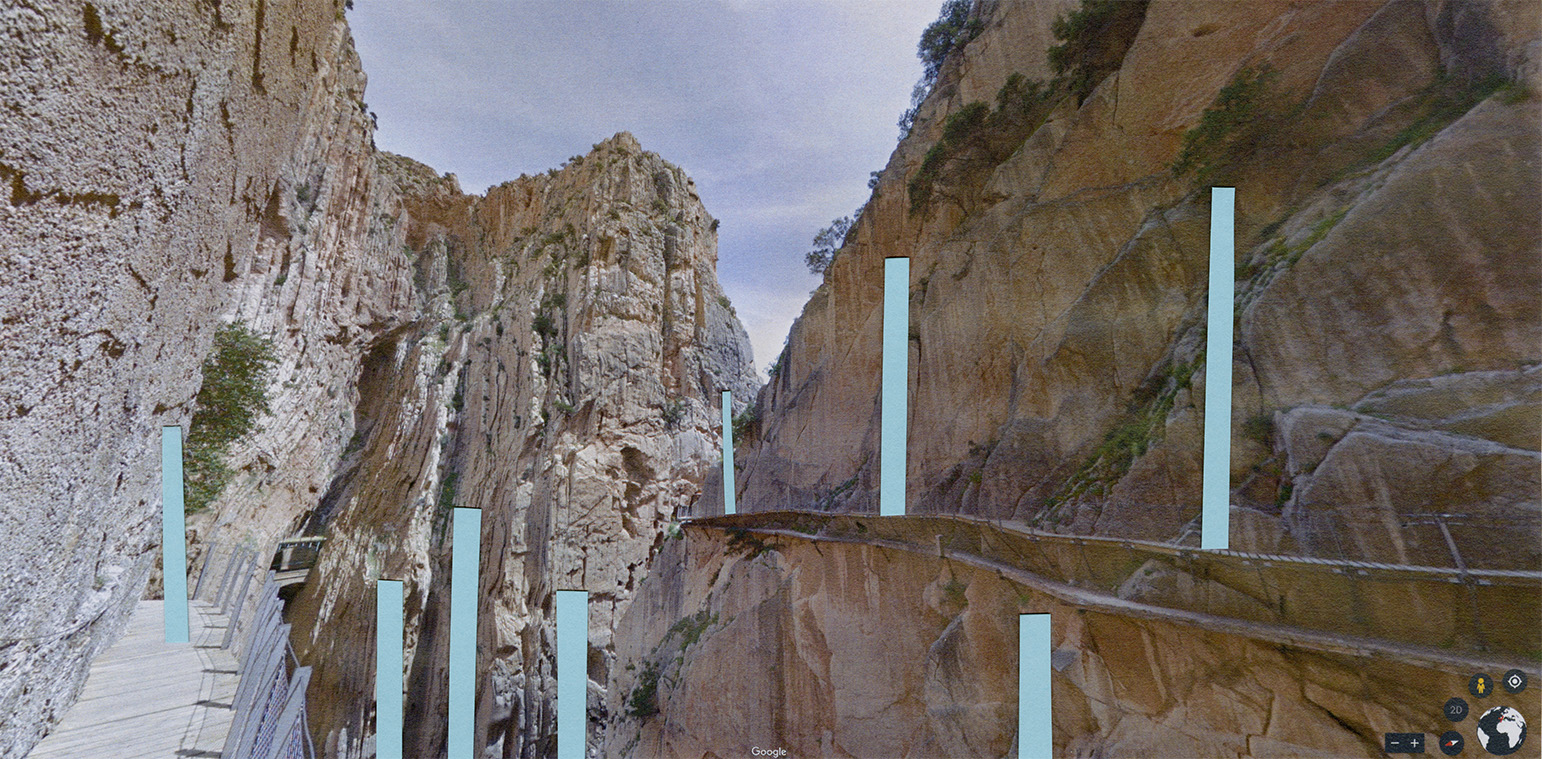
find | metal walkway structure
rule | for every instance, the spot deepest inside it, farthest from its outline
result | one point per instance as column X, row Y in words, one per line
column 234, row 691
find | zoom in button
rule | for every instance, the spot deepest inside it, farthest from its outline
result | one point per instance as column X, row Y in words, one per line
column 1404, row 743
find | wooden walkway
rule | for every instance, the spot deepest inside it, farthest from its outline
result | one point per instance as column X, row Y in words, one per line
column 148, row 698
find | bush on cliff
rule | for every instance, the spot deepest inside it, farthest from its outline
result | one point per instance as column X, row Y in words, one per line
column 951, row 31
column 233, row 397
column 976, row 139
column 1230, row 129
column 828, row 242
column 1093, row 40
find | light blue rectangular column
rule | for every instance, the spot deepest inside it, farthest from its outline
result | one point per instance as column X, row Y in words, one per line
column 1215, row 504
column 572, row 672
column 173, row 537
column 389, row 614
column 895, row 394
column 728, row 453
column 1035, row 726
column 465, row 574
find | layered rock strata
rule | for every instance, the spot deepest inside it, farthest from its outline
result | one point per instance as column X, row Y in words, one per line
column 1387, row 173
column 741, row 641
column 552, row 353
column 168, row 167
column 564, row 380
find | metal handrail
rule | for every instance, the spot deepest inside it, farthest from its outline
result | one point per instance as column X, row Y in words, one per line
column 270, row 704
column 269, row 720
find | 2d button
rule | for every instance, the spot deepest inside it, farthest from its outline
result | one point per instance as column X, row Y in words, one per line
column 1451, row 743
column 1515, row 681
column 1404, row 743
column 1456, row 709
column 1481, row 685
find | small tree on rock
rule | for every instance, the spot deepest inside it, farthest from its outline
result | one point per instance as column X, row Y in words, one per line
column 827, row 243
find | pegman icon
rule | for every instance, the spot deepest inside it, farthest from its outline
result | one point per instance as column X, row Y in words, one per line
column 1480, row 685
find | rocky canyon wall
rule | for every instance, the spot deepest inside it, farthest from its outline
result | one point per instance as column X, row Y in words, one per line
column 563, row 380
column 551, row 353
column 168, row 167
column 741, row 641
column 1385, row 156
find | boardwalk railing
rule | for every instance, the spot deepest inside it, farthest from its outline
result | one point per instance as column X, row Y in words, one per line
column 269, row 707
column 270, row 702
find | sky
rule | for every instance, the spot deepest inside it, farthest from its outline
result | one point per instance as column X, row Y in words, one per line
column 779, row 110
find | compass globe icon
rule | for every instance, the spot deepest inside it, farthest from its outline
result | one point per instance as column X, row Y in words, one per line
column 1501, row 730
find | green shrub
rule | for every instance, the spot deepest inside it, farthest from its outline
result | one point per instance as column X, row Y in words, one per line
column 746, row 423
column 448, row 489
column 742, row 541
column 457, row 283
column 954, row 591
column 544, row 326
column 643, row 700
column 1229, row 130
column 1142, row 426
column 1260, row 429
column 690, row 628
column 233, row 397
column 1093, row 40
column 548, row 358
column 828, row 242
column 673, row 412
column 976, row 139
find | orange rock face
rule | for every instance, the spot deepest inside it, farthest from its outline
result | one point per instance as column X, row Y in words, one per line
column 1385, row 155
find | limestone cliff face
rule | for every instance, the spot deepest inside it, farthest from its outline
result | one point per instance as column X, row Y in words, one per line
column 153, row 157
column 1389, row 256
column 551, row 353
column 839, row 649
column 563, row 379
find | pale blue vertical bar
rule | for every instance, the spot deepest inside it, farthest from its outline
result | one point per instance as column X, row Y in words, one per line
column 1035, row 727
column 728, row 453
column 388, row 669
column 572, row 672
column 896, row 377
column 173, row 537
column 465, row 570
column 1215, row 506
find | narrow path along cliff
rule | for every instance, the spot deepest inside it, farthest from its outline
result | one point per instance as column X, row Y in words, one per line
column 1159, row 649
column 199, row 231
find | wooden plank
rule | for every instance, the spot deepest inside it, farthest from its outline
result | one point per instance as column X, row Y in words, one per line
column 148, row 698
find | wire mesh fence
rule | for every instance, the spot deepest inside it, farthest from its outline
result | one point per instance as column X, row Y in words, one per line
column 269, row 709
